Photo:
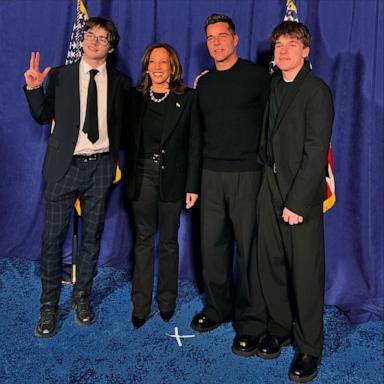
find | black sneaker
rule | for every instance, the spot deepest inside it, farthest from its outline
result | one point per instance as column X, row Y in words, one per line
column 85, row 315
column 47, row 323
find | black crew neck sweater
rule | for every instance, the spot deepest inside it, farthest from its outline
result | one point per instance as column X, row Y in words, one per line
column 232, row 104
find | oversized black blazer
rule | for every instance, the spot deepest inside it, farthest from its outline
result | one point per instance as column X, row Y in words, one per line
column 180, row 146
column 300, row 139
column 61, row 102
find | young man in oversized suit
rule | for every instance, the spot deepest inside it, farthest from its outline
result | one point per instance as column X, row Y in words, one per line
column 85, row 101
column 296, row 135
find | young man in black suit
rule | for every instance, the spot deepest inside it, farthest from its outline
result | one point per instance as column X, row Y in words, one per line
column 296, row 134
column 85, row 101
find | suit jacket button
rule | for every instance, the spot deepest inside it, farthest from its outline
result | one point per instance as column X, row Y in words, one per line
column 163, row 151
column 163, row 167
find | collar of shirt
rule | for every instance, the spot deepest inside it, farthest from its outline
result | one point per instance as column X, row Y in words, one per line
column 85, row 68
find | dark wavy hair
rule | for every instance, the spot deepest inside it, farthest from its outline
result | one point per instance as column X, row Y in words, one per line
column 219, row 18
column 108, row 25
column 176, row 84
column 292, row 28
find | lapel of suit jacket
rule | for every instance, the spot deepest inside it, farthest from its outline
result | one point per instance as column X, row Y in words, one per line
column 73, row 81
column 291, row 95
column 173, row 112
column 111, row 91
column 140, row 103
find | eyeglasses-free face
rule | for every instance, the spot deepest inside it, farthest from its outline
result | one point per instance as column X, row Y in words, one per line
column 290, row 54
column 222, row 45
column 159, row 69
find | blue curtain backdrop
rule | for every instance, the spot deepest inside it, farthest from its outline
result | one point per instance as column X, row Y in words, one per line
column 347, row 53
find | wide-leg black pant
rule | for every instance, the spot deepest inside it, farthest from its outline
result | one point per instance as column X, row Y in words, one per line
column 228, row 213
column 149, row 213
column 291, row 267
column 92, row 179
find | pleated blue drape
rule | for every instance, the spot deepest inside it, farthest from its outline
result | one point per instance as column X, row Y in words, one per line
column 347, row 53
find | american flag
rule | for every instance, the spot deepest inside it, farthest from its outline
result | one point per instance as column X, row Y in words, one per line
column 75, row 49
column 291, row 12
column 291, row 15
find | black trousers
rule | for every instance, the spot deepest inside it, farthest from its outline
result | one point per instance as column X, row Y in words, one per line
column 228, row 213
column 291, row 266
column 149, row 213
column 92, row 179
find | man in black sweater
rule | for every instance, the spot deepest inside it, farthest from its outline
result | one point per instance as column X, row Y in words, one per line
column 231, row 98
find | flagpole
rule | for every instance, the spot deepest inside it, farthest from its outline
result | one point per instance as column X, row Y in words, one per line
column 75, row 245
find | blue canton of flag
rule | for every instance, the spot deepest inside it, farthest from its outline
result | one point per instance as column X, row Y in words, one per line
column 75, row 49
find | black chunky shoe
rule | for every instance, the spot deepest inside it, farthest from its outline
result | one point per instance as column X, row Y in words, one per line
column 270, row 346
column 304, row 368
column 245, row 345
column 202, row 323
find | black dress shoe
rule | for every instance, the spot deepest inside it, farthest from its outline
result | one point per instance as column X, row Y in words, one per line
column 85, row 315
column 202, row 323
column 304, row 368
column 245, row 345
column 138, row 322
column 166, row 316
column 270, row 346
column 47, row 323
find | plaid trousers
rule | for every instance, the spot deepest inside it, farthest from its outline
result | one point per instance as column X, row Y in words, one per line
column 92, row 180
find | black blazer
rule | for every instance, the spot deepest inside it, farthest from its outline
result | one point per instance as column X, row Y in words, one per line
column 180, row 146
column 300, row 140
column 61, row 102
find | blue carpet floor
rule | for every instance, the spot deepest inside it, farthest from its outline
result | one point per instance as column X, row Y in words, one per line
column 112, row 351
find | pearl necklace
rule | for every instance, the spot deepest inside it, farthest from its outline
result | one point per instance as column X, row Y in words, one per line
column 153, row 98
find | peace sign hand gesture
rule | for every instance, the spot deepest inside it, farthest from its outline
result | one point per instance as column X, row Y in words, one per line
column 33, row 77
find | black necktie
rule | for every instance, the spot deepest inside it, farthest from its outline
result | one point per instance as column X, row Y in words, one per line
column 91, row 123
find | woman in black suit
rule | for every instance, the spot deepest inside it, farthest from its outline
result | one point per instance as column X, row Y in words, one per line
column 163, row 174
